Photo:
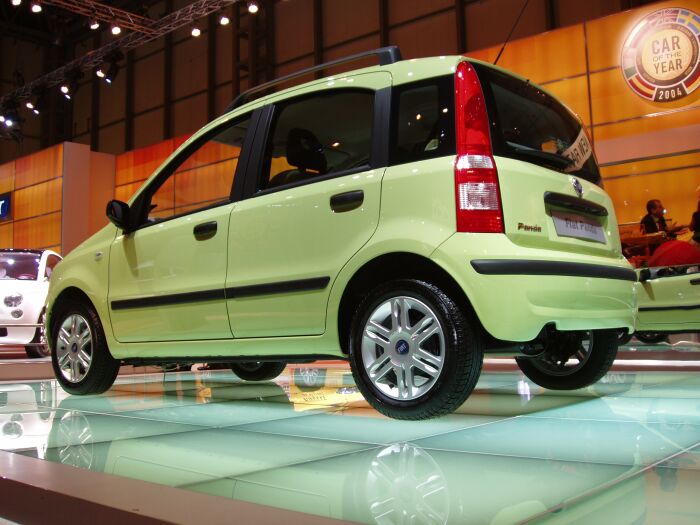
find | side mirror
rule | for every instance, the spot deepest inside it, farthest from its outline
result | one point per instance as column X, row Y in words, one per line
column 118, row 214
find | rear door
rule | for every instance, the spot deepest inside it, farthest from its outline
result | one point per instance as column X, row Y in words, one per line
column 313, row 205
column 548, row 173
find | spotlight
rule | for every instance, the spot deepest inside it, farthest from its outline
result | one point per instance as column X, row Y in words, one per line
column 94, row 24
column 16, row 3
column 36, row 6
column 253, row 7
column 112, row 72
column 70, row 85
column 195, row 32
column 10, row 117
column 116, row 29
column 224, row 20
column 2, row 118
column 100, row 72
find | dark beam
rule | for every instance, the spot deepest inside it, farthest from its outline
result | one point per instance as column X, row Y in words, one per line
column 461, row 27
column 95, row 105
column 252, row 50
column 551, row 14
column 383, row 23
column 236, row 51
column 211, row 67
column 167, row 79
column 318, row 35
column 270, row 42
column 129, row 113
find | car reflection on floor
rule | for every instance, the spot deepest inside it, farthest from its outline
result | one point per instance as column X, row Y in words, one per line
column 308, row 442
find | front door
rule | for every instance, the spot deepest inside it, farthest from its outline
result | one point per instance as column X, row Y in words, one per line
column 316, row 203
column 166, row 279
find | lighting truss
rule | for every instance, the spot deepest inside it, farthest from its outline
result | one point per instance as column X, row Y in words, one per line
column 110, row 15
column 132, row 40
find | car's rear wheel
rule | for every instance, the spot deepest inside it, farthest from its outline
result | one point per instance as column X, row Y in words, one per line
column 414, row 353
column 651, row 338
column 572, row 360
column 81, row 359
column 38, row 347
column 258, row 370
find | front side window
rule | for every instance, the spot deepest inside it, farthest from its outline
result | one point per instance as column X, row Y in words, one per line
column 319, row 136
column 203, row 178
column 22, row 266
column 531, row 125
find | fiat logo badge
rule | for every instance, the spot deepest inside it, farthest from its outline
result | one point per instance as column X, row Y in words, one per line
column 578, row 188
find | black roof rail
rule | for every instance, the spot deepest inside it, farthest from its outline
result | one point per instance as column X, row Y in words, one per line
column 386, row 55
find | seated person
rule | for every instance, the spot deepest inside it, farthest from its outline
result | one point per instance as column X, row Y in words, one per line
column 695, row 225
column 654, row 220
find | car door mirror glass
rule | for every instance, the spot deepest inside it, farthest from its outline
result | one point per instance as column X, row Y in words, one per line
column 118, row 214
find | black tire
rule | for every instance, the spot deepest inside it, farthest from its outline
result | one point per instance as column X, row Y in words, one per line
column 103, row 369
column 462, row 359
column 651, row 338
column 602, row 352
column 35, row 352
column 258, row 370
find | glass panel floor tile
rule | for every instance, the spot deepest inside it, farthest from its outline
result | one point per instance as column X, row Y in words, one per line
column 625, row 450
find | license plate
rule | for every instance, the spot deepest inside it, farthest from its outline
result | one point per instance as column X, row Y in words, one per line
column 578, row 226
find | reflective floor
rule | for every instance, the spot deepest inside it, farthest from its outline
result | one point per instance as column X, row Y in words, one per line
column 626, row 450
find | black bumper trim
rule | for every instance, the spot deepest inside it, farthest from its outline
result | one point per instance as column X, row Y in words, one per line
column 669, row 308
column 559, row 268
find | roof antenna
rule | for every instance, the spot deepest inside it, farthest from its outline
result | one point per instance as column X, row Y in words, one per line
column 511, row 31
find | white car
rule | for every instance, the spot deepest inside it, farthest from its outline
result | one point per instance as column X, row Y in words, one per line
column 24, row 283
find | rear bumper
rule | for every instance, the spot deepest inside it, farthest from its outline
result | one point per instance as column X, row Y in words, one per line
column 516, row 291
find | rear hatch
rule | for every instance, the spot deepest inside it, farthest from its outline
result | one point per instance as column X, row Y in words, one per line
column 548, row 175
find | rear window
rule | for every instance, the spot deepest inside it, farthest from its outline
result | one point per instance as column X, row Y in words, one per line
column 530, row 125
column 423, row 120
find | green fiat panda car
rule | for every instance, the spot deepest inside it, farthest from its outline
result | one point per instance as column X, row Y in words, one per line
column 406, row 217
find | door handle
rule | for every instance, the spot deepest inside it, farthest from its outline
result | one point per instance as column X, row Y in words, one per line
column 347, row 201
column 205, row 231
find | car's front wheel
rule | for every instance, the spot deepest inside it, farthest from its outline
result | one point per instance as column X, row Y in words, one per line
column 81, row 359
column 572, row 360
column 258, row 370
column 414, row 353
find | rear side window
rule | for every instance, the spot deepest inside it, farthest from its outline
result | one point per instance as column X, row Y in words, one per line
column 319, row 135
column 423, row 120
column 529, row 124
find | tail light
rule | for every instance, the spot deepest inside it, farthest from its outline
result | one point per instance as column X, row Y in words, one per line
column 476, row 179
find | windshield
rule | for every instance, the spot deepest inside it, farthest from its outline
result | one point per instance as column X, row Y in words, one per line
column 531, row 125
column 23, row 266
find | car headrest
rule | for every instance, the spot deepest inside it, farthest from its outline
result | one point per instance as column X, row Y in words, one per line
column 304, row 151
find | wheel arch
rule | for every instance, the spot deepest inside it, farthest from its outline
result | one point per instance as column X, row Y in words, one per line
column 391, row 266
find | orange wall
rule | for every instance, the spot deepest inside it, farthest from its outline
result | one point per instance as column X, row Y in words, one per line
column 646, row 149
column 50, row 210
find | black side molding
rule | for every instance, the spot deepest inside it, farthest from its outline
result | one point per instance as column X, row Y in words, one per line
column 574, row 203
column 669, row 308
column 566, row 269
column 300, row 285
column 164, row 300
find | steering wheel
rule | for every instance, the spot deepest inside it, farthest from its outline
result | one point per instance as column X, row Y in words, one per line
column 25, row 276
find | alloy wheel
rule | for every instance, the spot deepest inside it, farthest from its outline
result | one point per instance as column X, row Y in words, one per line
column 74, row 348
column 403, row 348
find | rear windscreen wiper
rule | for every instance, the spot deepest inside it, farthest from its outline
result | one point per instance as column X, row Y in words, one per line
column 552, row 158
